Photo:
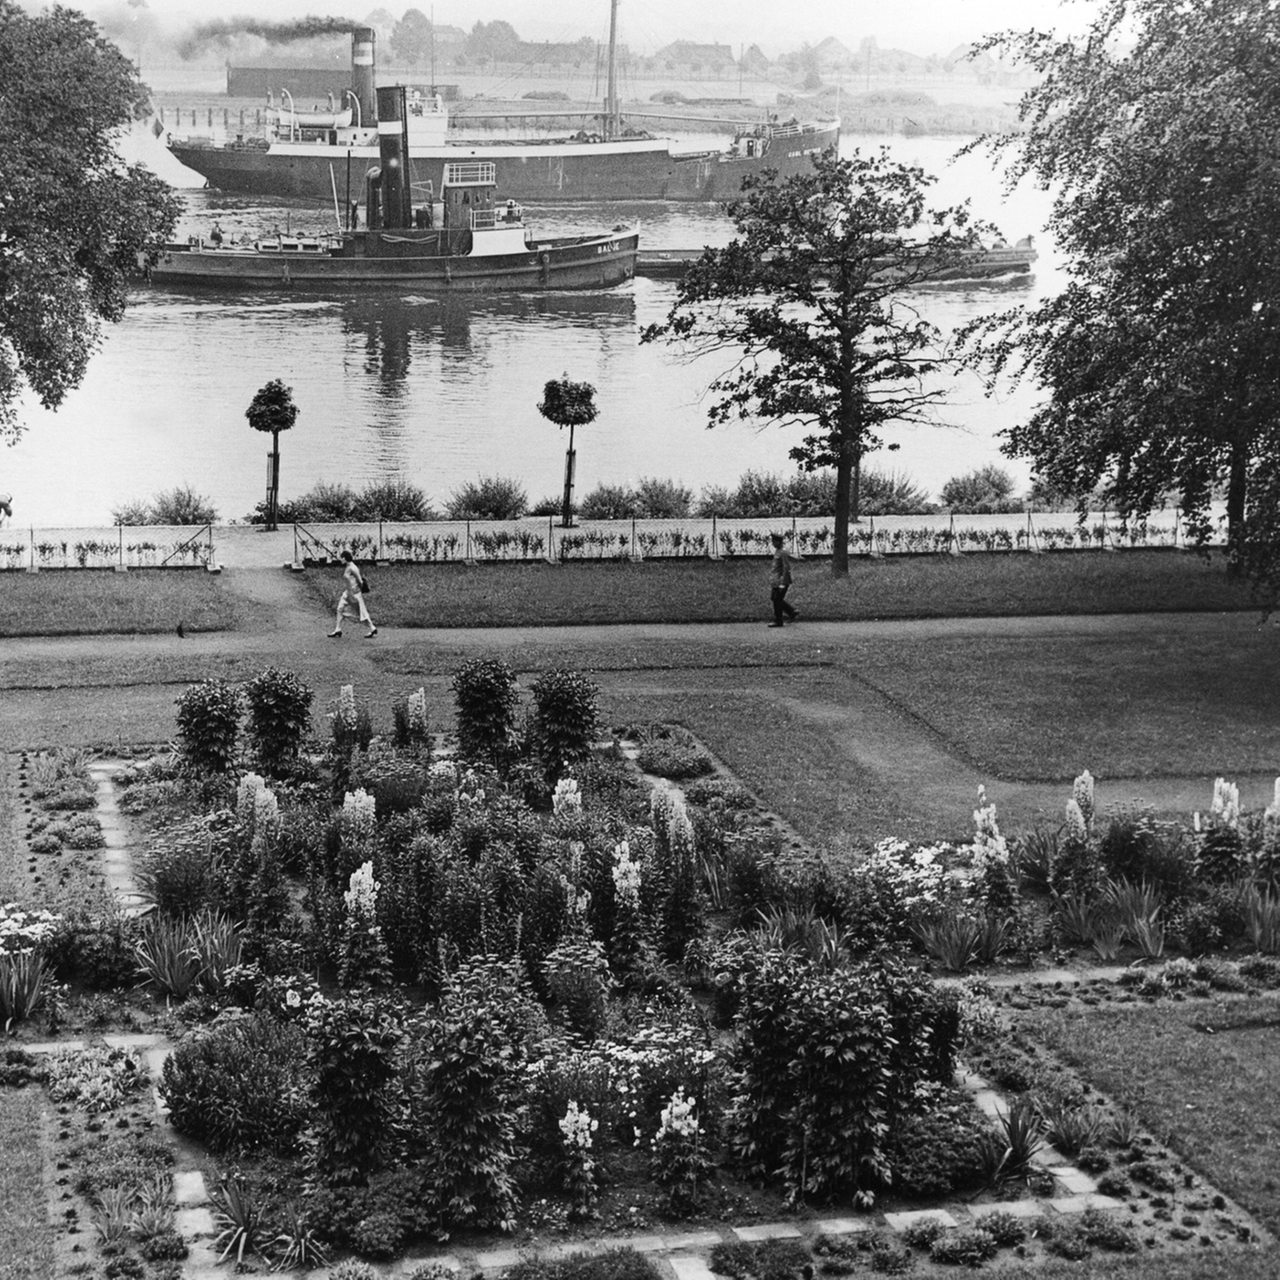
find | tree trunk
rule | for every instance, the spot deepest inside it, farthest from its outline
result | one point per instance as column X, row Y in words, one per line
column 1237, row 483
column 273, row 500
column 845, row 464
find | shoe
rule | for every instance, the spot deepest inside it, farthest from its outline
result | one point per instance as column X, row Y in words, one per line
column 775, row 624
column 334, row 635
column 368, row 635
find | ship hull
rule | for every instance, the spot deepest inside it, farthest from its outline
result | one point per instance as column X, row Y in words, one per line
column 534, row 173
column 594, row 263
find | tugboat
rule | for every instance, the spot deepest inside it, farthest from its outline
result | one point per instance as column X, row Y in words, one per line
column 304, row 149
column 462, row 242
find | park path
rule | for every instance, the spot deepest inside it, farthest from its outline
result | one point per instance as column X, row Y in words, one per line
column 71, row 690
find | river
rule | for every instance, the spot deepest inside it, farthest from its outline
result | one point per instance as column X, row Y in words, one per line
column 444, row 391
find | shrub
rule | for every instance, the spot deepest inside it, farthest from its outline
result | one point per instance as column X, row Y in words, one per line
column 767, row 1260
column 489, row 498
column 675, row 760
column 95, row 950
column 279, row 717
column 485, row 697
column 1004, row 1228
column 604, row 502
column 661, row 499
column 886, row 493
column 393, row 500
column 988, row 489
column 236, row 1085
column 180, row 505
column 208, row 725
column 964, row 1248
column 563, row 723
column 940, row 1151
column 179, row 873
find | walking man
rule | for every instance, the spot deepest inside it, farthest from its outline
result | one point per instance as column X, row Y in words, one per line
column 352, row 594
column 779, row 581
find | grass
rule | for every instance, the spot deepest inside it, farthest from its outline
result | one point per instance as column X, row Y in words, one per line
column 93, row 602
column 501, row 595
column 1200, row 1076
column 27, row 1251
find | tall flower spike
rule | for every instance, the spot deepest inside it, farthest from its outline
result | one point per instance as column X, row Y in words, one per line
column 1082, row 794
column 1077, row 830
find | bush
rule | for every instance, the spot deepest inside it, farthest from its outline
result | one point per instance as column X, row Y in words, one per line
column 208, row 726
column 236, row 1085
column 964, row 1248
column 181, row 505
column 604, row 502
column 940, row 1151
column 484, row 691
column 676, row 760
column 279, row 717
column 988, row 489
column 393, row 500
column 563, row 723
column 489, row 498
column 661, row 499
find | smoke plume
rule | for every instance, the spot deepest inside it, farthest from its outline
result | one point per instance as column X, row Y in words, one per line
column 224, row 29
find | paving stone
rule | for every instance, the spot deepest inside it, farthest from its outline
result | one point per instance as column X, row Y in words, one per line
column 1075, row 1182
column 688, row 1266
column 195, row 1222
column 1049, row 1158
column 189, row 1188
column 970, row 1080
column 53, row 1046
column 842, row 1226
column 1014, row 1208
column 496, row 1259
column 691, row 1240
column 990, row 1103
column 564, row 1250
column 1078, row 1204
column 901, row 1221
column 769, row 1231
column 132, row 1041
column 641, row 1244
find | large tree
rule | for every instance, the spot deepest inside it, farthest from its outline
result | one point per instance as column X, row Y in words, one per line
column 412, row 37
column 1159, row 133
column 810, row 304
column 73, row 216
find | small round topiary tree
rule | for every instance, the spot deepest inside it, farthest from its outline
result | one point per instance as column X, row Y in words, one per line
column 568, row 404
column 272, row 409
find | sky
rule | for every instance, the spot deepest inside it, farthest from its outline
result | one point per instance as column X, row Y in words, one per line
column 921, row 26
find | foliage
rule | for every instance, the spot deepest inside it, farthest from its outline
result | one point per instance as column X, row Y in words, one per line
column 240, row 1223
column 461, row 1085
column 272, row 408
column 392, row 499
column 351, row 1064
column 236, row 1085
column 489, row 498
column 938, row 1151
column 670, row 758
column 568, row 403
column 208, row 726
column 75, row 216
column 1160, row 359
column 804, row 293
column 964, row 1248
column 98, row 1079
column 563, row 722
column 485, row 699
column 988, row 489
column 279, row 717
column 180, row 505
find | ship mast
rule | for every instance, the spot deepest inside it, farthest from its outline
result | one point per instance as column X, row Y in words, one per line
column 612, row 116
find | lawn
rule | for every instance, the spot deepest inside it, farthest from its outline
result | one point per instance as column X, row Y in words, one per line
column 99, row 602
column 978, row 585
column 26, row 1250
column 1201, row 1077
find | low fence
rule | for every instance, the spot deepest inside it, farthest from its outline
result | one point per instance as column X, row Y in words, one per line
column 545, row 540
column 120, row 547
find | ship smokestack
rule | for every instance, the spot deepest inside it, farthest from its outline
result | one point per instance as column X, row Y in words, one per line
column 393, row 148
column 362, row 72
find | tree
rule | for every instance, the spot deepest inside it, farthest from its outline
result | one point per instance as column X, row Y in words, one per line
column 988, row 489
column 411, row 37
column 808, row 298
column 272, row 409
column 1159, row 130
column 568, row 404
column 495, row 40
column 73, row 216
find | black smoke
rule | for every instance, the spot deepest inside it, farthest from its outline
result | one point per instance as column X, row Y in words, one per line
column 225, row 29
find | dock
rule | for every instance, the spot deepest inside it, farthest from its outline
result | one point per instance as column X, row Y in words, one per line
column 981, row 264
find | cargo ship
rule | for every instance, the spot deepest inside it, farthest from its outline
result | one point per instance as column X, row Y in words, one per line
column 459, row 239
column 319, row 154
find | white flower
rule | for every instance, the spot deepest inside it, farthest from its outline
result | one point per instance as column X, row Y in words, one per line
column 1082, row 794
column 626, row 875
column 1226, row 803
column 678, row 1119
column 417, row 709
column 292, row 999
column 362, row 896
column 577, row 1127
column 567, row 798
column 1077, row 829
column 359, row 815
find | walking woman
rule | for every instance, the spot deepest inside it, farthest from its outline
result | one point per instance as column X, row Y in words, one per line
column 353, row 595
